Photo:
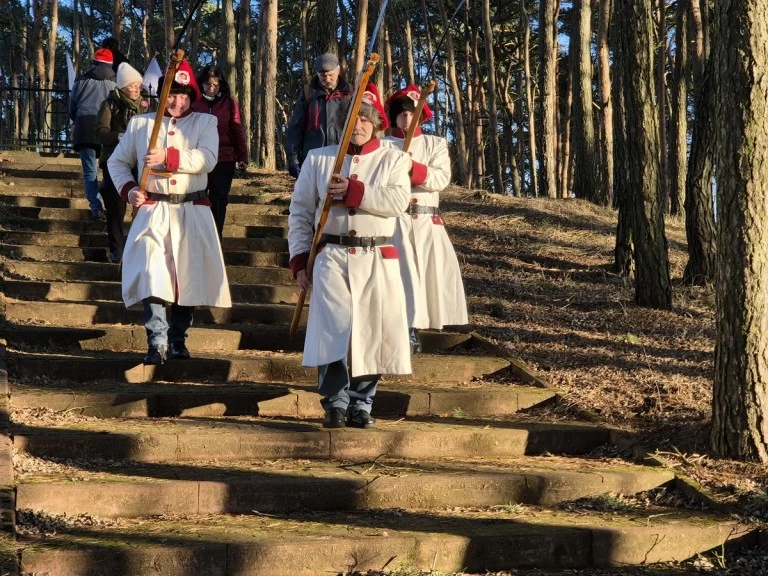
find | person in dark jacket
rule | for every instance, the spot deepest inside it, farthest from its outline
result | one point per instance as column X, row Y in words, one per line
column 122, row 104
column 313, row 120
column 233, row 151
column 90, row 90
column 111, row 44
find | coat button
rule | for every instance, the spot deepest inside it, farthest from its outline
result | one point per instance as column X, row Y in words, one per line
column 173, row 181
column 353, row 176
column 356, row 159
column 171, row 133
column 352, row 251
column 415, row 216
column 353, row 233
column 173, row 120
column 352, row 212
column 414, row 200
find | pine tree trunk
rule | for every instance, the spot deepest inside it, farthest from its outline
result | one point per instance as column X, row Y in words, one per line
column 327, row 24
column 362, row 34
column 740, row 395
column 661, row 103
column 245, row 75
column 117, row 18
column 678, row 152
column 547, row 98
column 635, row 54
column 497, row 184
column 606, row 104
column 529, row 98
column 269, row 85
column 170, row 36
column 51, row 69
column 228, row 46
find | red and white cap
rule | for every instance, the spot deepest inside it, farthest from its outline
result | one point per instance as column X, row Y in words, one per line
column 183, row 81
column 406, row 99
column 371, row 96
column 104, row 56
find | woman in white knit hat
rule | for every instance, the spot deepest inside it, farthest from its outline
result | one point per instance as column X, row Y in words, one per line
column 122, row 104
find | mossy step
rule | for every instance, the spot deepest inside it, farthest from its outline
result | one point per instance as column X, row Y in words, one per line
column 27, row 290
column 240, row 230
column 294, row 400
column 234, row 366
column 98, row 240
column 93, row 271
column 101, row 254
column 332, row 542
column 129, row 491
column 76, row 314
column 228, row 439
column 228, row 337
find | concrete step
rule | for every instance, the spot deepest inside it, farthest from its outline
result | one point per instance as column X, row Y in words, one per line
column 76, row 314
column 235, row 366
column 209, row 339
column 93, row 271
column 32, row 290
column 243, row 438
column 292, row 400
column 276, row 487
column 101, row 254
column 315, row 543
column 99, row 240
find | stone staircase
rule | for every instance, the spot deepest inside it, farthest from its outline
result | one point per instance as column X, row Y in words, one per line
column 219, row 466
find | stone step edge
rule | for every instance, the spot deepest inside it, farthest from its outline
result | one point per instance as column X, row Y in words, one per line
column 283, row 548
column 233, row 491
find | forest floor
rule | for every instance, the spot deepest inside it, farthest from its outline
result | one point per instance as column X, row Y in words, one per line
column 540, row 284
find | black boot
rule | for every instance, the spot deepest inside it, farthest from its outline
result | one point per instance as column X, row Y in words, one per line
column 334, row 418
column 156, row 355
column 179, row 351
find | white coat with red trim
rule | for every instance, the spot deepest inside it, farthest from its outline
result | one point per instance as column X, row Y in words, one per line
column 172, row 251
column 357, row 305
column 433, row 286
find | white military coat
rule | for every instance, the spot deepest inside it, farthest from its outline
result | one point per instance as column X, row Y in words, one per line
column 357, row 306
column 433, row 286
column 172, row 251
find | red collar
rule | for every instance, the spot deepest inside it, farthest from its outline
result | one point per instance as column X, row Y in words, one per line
column 397, row 133
column 366, row 148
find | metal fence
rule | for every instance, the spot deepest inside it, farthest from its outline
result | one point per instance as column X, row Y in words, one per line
column 47, row 125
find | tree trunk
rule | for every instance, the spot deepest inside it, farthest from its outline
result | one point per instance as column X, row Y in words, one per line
column 170, row 35
column 661, row 102
column 51, row 71
column 606, row 104
column 76, row 36
column 258, row 87
column 362, row 34
column 547, row 98
column 635, row 55
column 305, row 7
column 493, row 118
column 269, row 85
column 678, row 152
column 327, row 25
column 585, row 184
column 740, row 395
column 564, row 155
column 118, row 14
column 529, row 98
column 245, row 76
column 407, row 50
column 228, row 46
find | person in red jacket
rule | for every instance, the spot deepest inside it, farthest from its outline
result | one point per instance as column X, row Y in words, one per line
column 233, row 151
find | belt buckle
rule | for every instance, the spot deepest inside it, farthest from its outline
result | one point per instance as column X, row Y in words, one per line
column 343, row 240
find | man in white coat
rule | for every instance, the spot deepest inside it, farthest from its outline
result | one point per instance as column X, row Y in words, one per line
column 172, row 254
column 357, row 328
column 433, row 286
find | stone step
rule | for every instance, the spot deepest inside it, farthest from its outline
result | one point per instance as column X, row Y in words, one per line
column 233, row 366
column 80, row 206
column 99, row 240
column 277, row 487
column 312, row 543
column 244, row 215
column 76, row 314
column 293, row 400
column 93, row 271
column 32, row 290
column 174, row 440
column 209, row 339
column 101, row 254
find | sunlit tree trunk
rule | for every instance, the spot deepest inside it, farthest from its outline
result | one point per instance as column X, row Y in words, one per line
column 53, row 28
column 661, row 101
column 228, row 46
column 678, row 151
column 362, row 34
column 245, row 74
column 497, row 184
column 170, row 35
column 118, row 14
column 305, row 7
column 529, row 98
column 547, row 98
column 740, row 394
column 635, row 49
column 269, row 84
column 606, row 104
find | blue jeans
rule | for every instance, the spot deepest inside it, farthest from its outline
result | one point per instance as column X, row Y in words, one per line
column 156, row 323
column 90, row 177
column 338, row 390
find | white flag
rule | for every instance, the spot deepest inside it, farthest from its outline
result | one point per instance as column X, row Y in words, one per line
column 70, row 72
column 152, row 77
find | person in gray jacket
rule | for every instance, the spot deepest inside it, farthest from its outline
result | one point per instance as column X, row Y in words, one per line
column 313, row 120
column 91, row 89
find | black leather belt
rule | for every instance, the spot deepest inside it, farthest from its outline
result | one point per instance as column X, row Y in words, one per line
column 178, row 198
column 358, row 241
column 419, row 209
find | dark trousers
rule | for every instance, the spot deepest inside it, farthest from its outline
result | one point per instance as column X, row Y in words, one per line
column 338, row 390
column 114, row 206
column 219, row 183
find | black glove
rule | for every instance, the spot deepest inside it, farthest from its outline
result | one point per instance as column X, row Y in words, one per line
column 294, row 170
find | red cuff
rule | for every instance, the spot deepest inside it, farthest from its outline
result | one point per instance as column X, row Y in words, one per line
column 127, row 188
column 355, row 194
column 299, row 263
column 172, row 158
column 418, row 173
